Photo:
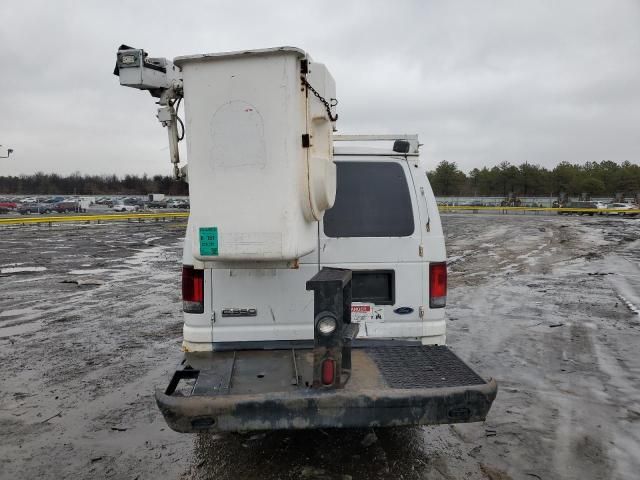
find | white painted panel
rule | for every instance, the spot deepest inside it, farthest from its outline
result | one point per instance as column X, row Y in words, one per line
column 283, row 305
column 249, row 173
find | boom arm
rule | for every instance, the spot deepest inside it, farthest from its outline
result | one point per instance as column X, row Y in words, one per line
column 163, row 80
column 5, row 152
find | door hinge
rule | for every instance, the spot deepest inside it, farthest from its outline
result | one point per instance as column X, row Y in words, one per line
column 421, row 251
column 421, row 311
column 306, row 140
column 213, row 317
column 304, row 66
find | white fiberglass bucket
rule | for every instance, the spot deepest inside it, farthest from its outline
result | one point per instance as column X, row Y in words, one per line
column 256, row 190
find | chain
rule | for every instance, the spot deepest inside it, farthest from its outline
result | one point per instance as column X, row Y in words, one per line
column 326, row 104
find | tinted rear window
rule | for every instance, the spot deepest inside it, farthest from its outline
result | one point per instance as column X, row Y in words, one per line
column 372, row 200
column 373, row 286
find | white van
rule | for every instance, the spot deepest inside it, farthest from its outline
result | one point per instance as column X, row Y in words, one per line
column 254, row 355
column 384, row 227
column 314, row 275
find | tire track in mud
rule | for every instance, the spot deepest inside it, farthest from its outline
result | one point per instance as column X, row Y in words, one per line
column 529, row 303
column 559, row 342
column 100, row 350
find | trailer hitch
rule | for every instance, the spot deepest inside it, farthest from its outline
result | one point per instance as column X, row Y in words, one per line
column 333, row 331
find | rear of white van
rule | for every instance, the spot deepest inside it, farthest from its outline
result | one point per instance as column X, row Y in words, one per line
column 378, row 228
column 384, row 226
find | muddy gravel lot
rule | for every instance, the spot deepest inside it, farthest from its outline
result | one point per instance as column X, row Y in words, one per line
column 90, row 323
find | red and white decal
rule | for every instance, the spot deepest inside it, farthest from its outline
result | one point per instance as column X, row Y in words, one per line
column 361, row 312
column 366, row 312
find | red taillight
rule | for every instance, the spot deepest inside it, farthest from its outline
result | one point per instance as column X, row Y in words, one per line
column 328, row 371
column 192, row 289
column 437, row 284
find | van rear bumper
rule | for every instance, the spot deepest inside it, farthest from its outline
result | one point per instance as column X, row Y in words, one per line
column 227, row 394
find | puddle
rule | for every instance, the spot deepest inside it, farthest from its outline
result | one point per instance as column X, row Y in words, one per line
column 22, row 269
column 21, row 329
column 153, row 254
column 18, row 312
column 94, row 271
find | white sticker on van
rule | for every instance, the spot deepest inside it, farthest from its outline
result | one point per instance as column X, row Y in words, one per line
column 366, row 312
column 361, row 312
column 378, row 314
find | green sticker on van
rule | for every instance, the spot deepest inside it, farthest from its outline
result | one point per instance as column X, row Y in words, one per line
column 209, row 241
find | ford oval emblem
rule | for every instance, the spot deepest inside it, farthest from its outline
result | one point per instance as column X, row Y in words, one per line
column 403, row 310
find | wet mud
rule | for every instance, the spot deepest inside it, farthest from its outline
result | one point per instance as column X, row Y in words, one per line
column 90, row 324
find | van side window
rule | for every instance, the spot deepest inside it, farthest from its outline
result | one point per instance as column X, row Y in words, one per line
column 372, row 200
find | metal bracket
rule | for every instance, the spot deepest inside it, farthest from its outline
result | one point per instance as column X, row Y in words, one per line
column 332, row 300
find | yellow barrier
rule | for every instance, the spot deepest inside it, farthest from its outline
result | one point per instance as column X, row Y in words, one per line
column 541, row 209
column 90, row 218
column 151, row 216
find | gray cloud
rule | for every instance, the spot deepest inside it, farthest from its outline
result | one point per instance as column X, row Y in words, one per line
column 481, row 82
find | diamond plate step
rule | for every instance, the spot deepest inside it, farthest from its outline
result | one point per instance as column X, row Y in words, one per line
column 422, row 367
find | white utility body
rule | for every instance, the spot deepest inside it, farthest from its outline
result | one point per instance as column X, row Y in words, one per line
column 314, row 273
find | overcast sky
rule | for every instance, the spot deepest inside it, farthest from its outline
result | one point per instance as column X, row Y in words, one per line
column 481, row 81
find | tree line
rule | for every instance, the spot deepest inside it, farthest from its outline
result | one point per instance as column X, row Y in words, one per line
column 77, row 184
column 605, row 178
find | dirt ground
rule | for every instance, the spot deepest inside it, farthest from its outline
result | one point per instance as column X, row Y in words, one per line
column 90, row 323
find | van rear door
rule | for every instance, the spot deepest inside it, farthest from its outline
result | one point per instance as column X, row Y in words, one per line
column 374, row 229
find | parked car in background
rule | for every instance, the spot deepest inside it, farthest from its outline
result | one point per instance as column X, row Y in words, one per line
column 123, row 207
column 178, row 204
column 68, row 206
column 52, row 200
column 621, row 206
column 184, row 205
column 8, row 205
column 37, row 207
column 133, row 201
column 601, row 206
column 157, row 204
column 581, row 208
column 107, row 201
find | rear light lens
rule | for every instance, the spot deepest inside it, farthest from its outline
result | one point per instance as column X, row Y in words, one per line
column 327, row 325
column 437, row 285
column 192, row 289
column 328, row 371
